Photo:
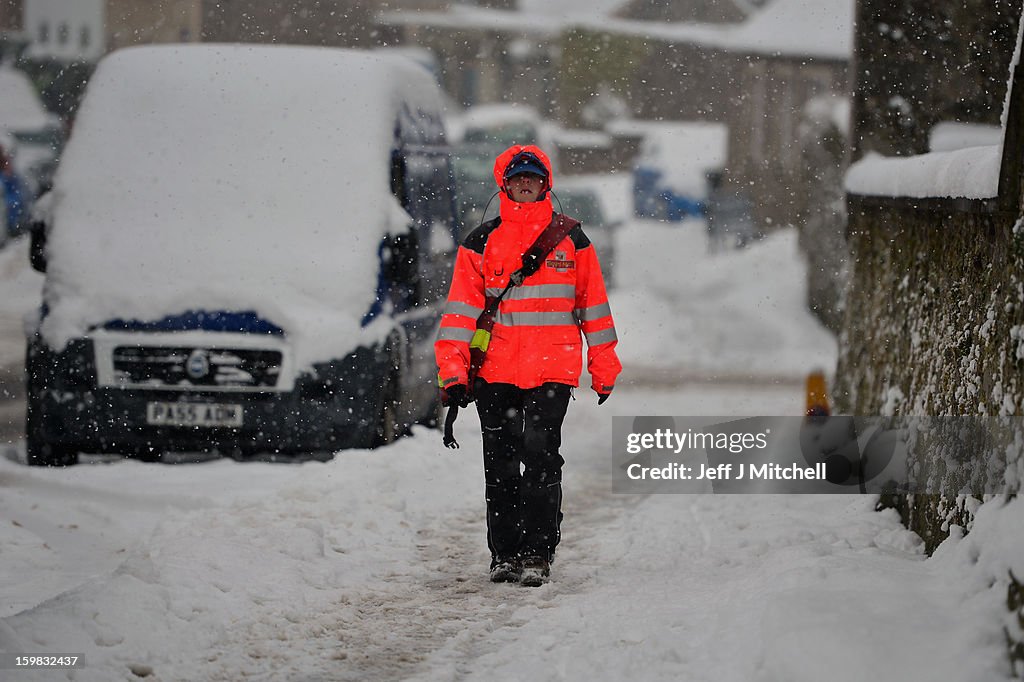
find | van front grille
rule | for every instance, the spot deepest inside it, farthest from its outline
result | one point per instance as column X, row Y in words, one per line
column 187, row 367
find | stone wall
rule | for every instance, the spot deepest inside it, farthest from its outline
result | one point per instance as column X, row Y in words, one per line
column 935, row 303
column 934, row 311
column 10, row 15
column 932, row 325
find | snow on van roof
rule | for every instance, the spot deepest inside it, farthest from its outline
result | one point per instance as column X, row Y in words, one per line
column 230, row 177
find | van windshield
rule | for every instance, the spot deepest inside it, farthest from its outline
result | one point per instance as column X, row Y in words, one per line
column 502, row 136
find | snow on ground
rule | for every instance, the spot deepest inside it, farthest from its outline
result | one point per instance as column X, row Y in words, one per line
column 372, row 566
column 682, row 313
column 737, row 314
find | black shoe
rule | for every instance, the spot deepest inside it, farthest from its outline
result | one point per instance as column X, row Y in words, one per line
column 505, row 570
column 535, row 571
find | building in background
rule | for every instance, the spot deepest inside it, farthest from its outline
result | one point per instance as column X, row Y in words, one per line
column 12, row 39
column 482, row 52
column 336, row 23
column 85, row 30
column 10, row 15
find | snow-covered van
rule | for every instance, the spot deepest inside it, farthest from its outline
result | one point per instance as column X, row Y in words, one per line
column 246, row 251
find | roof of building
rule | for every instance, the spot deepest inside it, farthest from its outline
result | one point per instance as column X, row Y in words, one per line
column 799, row 28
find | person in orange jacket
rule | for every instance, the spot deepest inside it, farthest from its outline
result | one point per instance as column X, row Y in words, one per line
column 533, row 361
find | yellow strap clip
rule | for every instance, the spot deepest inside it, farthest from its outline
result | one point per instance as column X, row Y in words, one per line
column 481, row 339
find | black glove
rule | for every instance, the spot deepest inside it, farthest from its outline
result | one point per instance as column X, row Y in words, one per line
column 457, row 395
column 601, row 397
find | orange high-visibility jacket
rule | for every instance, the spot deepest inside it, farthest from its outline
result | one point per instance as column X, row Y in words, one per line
column 536, row 335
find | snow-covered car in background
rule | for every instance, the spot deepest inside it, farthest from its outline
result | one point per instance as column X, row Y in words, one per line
column 473, row 167
column 499, row 126
column 247, row 251
column 33, row 135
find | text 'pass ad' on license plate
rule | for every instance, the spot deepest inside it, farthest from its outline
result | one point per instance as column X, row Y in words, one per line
column 194, row 414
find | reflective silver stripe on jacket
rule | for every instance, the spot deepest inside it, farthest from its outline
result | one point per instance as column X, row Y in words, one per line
column 455, row 334
column 536, row 291
column 460, row 308
column 603, row 336
column 594, row 312
column 535, row 319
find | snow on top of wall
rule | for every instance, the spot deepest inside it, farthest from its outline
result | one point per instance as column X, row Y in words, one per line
column 20, row 106
column 230, row 177
column 951, row 135
column 971, row 173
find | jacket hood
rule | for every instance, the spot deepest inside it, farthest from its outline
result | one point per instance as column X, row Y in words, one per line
column 501, row 163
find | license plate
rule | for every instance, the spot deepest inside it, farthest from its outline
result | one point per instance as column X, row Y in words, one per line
column 194, row 414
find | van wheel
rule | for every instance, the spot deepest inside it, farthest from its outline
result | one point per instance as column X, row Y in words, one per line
column 39, row 452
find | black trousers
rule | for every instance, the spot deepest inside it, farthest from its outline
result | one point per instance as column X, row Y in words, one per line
column 522, row 431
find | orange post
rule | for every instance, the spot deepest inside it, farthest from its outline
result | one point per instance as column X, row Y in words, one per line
column 817, row 395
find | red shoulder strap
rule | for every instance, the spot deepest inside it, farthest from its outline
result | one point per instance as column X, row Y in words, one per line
column 557, row 230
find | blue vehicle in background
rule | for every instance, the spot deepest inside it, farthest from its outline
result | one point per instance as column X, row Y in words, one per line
column 653, row 199
column 670, row 174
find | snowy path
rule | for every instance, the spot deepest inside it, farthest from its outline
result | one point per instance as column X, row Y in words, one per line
column 373, row 567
